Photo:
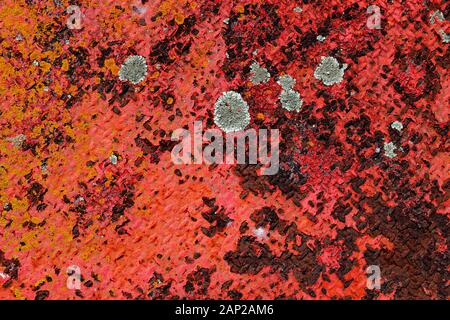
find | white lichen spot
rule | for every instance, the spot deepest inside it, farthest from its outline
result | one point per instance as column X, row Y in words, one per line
column 290, row 100
column 134, row 69
column 19, row 37
column 35, row 63
column 286, row 82
column 231, row 112
column 320, row 38
column 260, row 233
column 259, row 74
column 113, row 159
column 78, row 200
column 329, row 71
column 298, row 9
column 226, row 21
column 18, row 140
column 397, row 125
column 436, row 14
column 389, row 150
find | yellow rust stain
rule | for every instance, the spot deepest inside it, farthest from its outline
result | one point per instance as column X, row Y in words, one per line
column 111, row 65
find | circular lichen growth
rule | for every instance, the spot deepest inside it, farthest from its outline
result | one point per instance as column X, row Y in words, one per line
column 231, row 112
column 286, row 82
column 290, row 100
column 329, row 71
column 389, row 149
column 134, row 69
column 397, row 125
column 259, row 74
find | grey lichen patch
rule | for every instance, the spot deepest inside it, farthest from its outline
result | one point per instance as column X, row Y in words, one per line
column 44, row 167
column 320, row 38
column 445, row 36
column 286, row 82
column 329, row 71
column 113, row 159
column 397, row 125
column 231, row 112
column 389, row 150
column 290, row 100
column 436, row 14
column 298, row 9
column 17, row 140
column 259, row 74
column 134, row 69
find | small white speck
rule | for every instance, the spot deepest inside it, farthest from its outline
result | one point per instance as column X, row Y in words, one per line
column 298, row 9
column 445, row 36
column 260, row 233
column 4, row 275
column 35, row 63
column 320, row 38
column 19, row 37
column 226, row 21
column 389, row 150
column 113, row 159
column 397, row 125
column 78, row 200
column 46, row 89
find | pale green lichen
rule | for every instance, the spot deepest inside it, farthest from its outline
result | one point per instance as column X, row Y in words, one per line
column 290, row 100
column 329, row 71
column 436, row 14
column 231, row 112
column 397, row 125
column 134, row 69
column 389, row 150
column 445, row 36
column 259, row 74
column 17, row 140
column 286, row 82
column 113, row 159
